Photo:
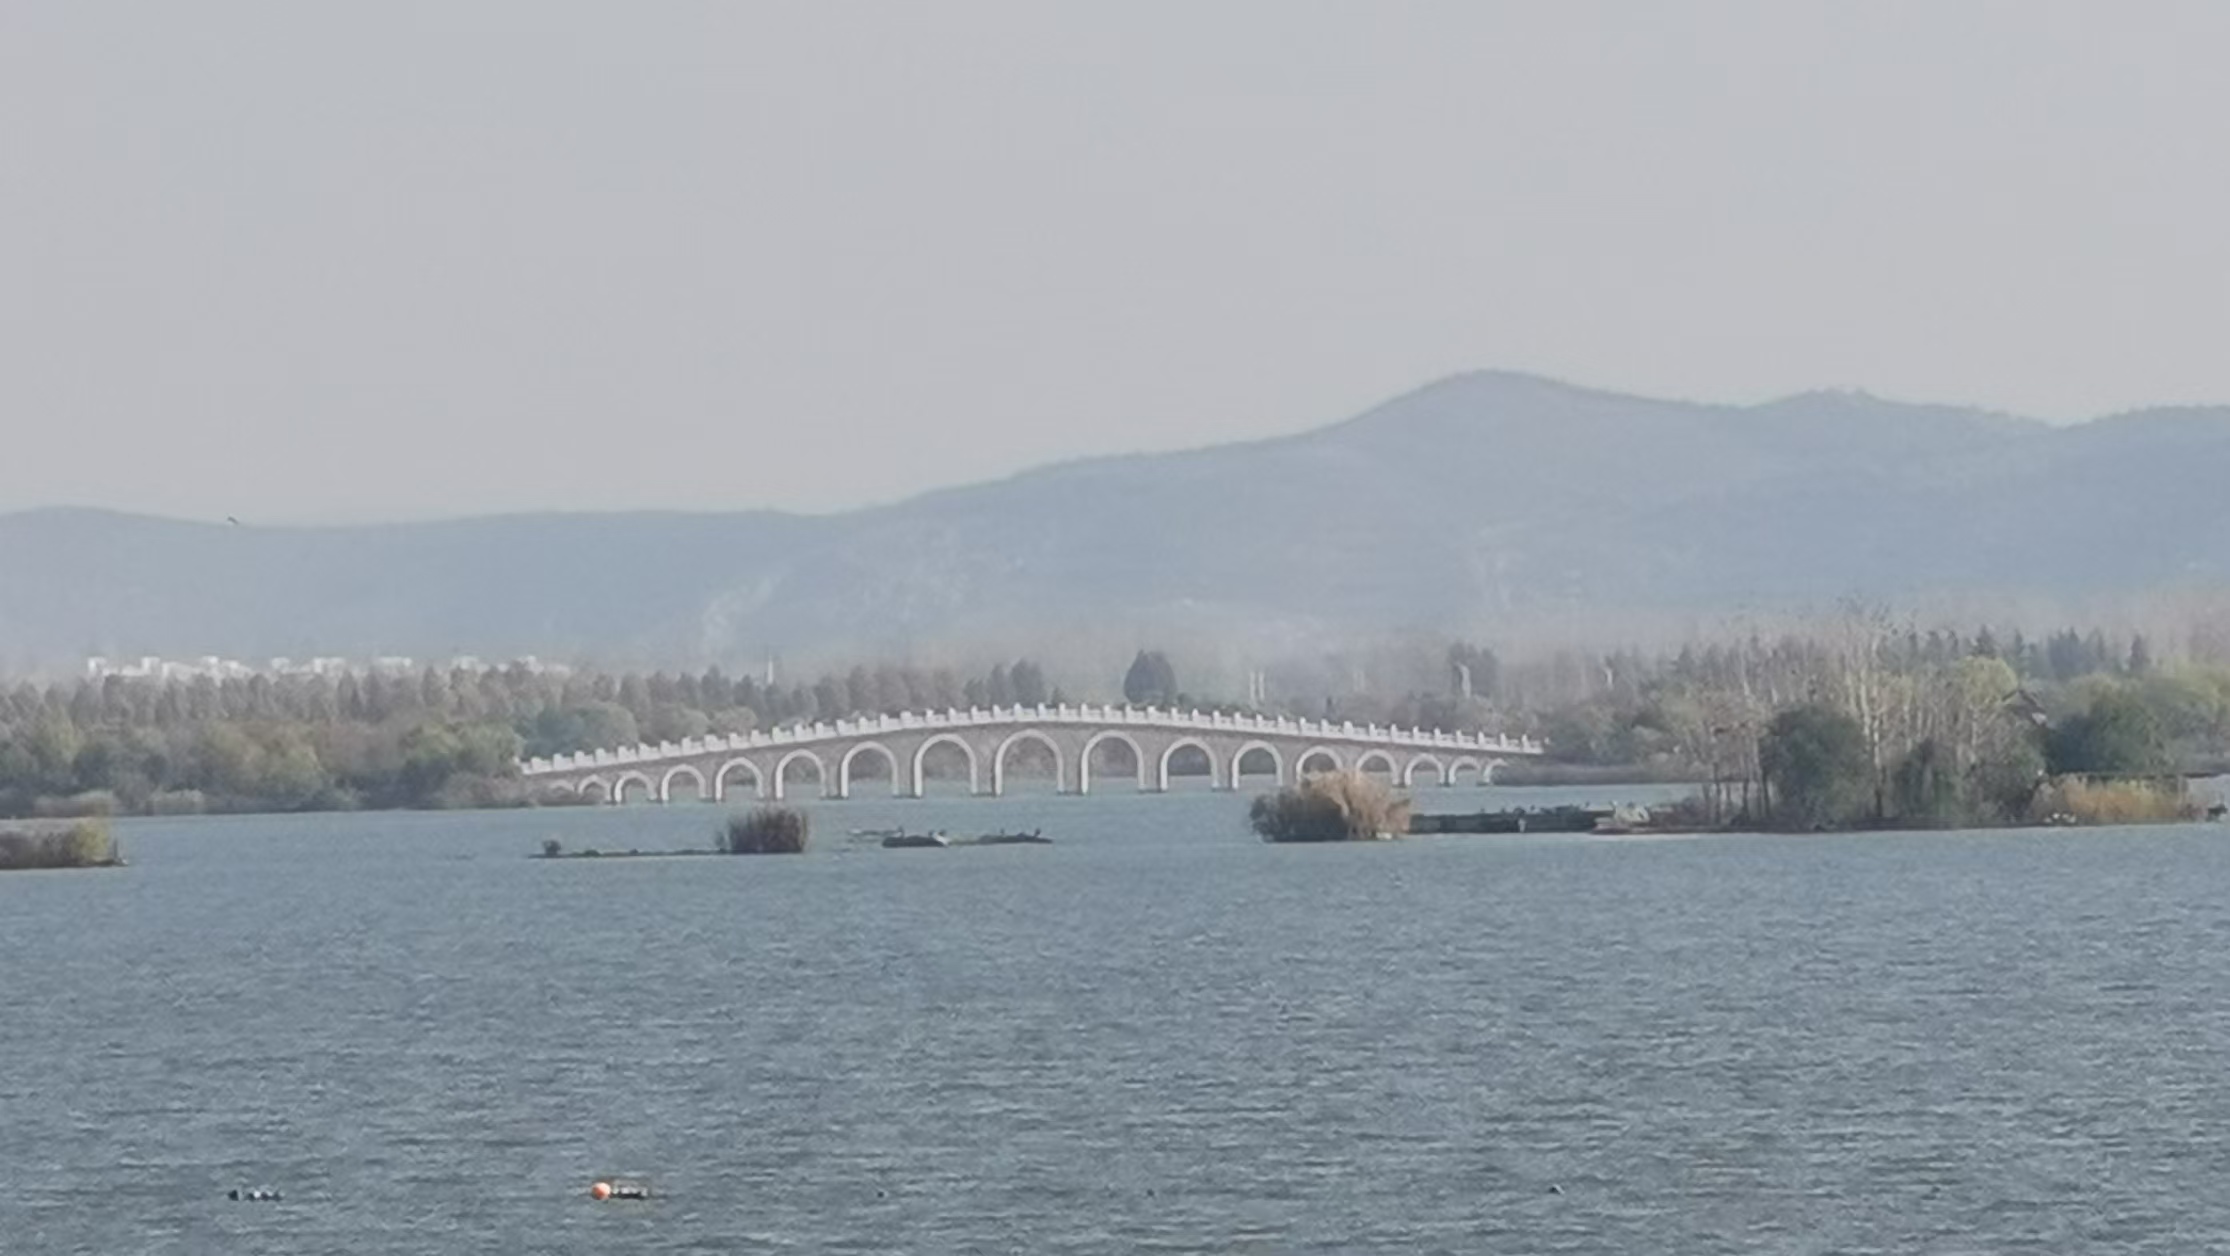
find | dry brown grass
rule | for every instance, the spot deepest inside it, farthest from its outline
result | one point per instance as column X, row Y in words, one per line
column 1331, row 807
column 2083, row 801
column 85, row 844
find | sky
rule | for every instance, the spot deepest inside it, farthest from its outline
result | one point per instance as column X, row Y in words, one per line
column 348, row 262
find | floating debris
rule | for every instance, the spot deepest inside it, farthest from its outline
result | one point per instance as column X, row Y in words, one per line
column 909, row 841
column 1034, row 837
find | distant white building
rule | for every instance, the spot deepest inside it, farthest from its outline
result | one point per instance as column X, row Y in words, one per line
column 97, row 668
column 151, row 667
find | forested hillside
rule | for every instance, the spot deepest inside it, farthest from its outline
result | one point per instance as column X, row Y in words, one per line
column 1495, row 506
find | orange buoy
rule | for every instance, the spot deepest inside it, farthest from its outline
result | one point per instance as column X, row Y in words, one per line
column 602, row 1190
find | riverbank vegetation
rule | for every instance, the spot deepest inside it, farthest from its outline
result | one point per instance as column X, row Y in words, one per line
column 1870, row 726
column 1859, row 718
column 1330, row 807
column 127, row 745
column 78, row 844
column 1954, row 727
column 2079, row 800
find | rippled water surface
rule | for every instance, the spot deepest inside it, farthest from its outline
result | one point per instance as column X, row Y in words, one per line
column 1157, row 1035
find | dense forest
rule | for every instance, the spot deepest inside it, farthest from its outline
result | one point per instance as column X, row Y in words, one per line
column 1949, row 726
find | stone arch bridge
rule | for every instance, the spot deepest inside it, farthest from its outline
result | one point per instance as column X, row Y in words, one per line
column 833, row 753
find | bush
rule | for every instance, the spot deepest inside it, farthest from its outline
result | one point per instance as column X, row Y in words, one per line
column 1816, row 765
column 85, row 844
column 1332, row 807
column 765, row 831
column 2118, row 736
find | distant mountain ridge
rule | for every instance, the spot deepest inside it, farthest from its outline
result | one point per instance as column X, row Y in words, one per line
column 1488, row 504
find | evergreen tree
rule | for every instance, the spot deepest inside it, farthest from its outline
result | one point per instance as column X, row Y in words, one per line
column 1816, row 764
column 2118, row 736
column 1151, row 680
column 1028, row 681
column 2140, row 655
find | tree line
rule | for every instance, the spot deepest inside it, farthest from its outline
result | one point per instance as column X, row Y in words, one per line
column 1949, row 725
column 433, row 738
column 1861, row 719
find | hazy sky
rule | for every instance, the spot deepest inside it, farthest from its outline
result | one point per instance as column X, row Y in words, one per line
column 326, row 261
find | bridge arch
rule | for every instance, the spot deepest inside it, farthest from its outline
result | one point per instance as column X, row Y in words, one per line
column 921, row 756
column 844, row 769
column 666, row 782
column 1409, row 774
column 1235, row 746
column 625, row 779
column 782, row 767
column 1364, row 760
column 1277, row 761
column 1084, row 760
column 1215, row 770
column 999, row 760
column 720, row 779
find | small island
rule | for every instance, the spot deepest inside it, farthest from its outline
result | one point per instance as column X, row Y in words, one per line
column 761, row 831
column 1816, row 767
column 1331, row 807
column 43, row 845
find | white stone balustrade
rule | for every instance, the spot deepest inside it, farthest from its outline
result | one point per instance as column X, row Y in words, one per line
column 1282, row 727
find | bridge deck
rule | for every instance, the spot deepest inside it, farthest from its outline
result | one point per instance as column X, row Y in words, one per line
column 1344, row 733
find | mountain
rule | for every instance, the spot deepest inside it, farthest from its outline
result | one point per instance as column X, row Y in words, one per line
column 1493, row 505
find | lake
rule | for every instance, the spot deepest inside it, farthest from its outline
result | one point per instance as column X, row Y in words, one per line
column 1157, row 1035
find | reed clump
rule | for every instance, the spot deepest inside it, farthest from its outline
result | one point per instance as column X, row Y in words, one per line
column 766, row 831
column 83, row 844
column 1331, row 807
column 2079, row 800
